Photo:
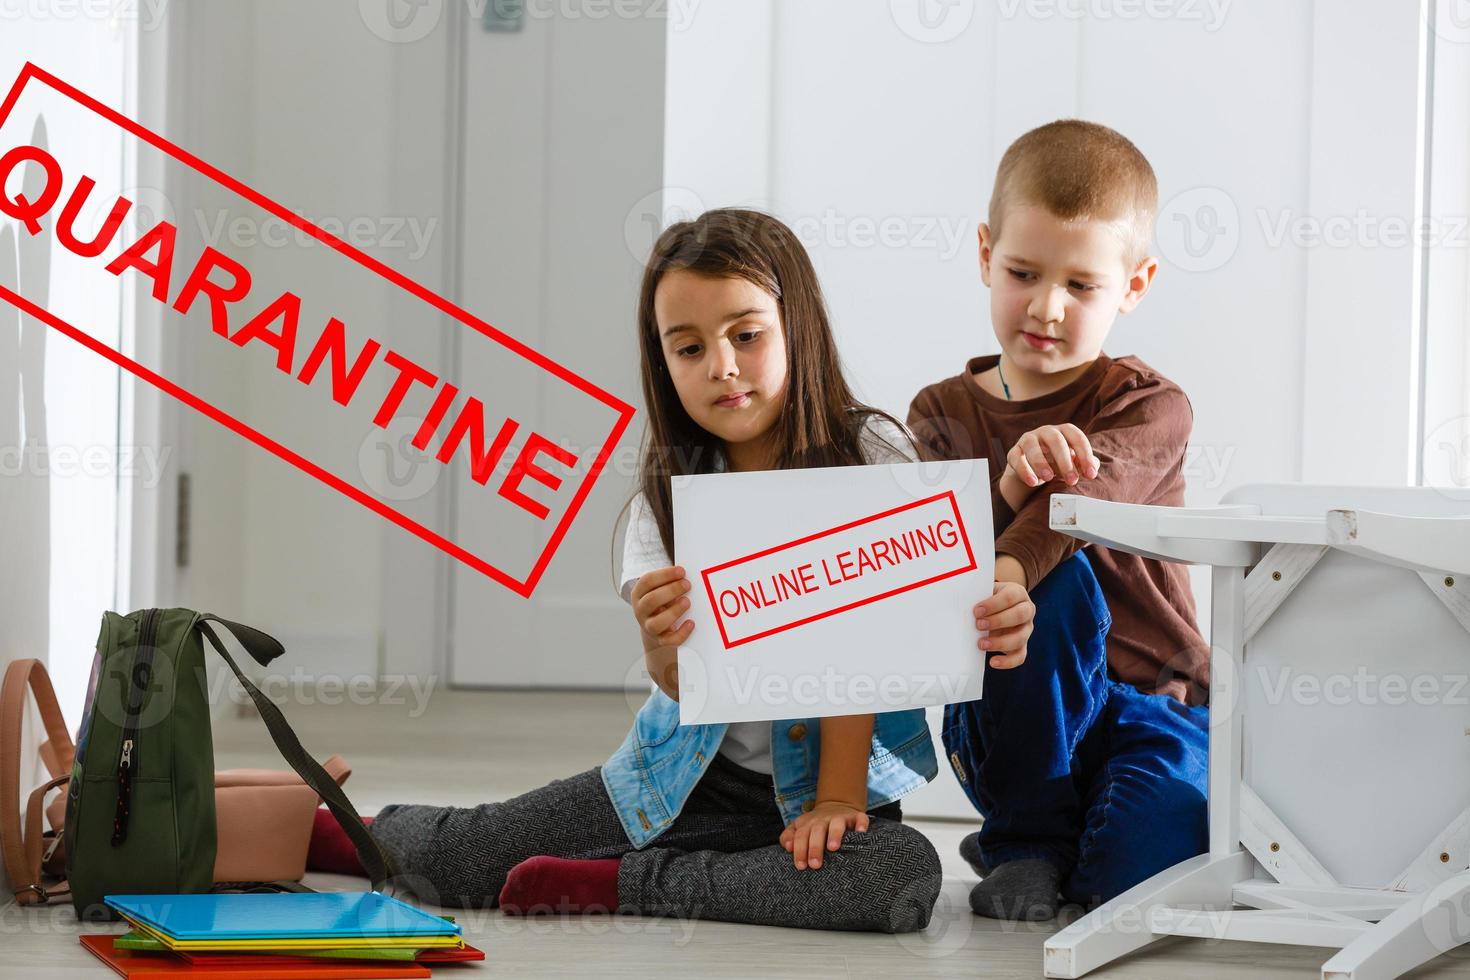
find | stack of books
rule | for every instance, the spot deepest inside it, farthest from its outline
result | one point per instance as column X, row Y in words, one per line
column 344, row 935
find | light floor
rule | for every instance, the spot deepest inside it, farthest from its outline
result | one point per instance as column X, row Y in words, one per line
column 469, row 747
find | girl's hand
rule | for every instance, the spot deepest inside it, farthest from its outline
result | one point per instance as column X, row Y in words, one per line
column 1051, row 451
column 659, row 600
column 1009, row 616
column 805, row 836
column 662, row 664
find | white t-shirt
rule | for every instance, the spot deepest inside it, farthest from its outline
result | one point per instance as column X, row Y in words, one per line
column 746, row 743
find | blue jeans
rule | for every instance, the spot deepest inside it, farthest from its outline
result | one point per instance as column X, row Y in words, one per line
column 1066, row 765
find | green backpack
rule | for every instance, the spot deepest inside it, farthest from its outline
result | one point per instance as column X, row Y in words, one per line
column 140, row 810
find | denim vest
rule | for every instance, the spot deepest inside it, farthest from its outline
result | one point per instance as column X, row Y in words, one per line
column 652, row 773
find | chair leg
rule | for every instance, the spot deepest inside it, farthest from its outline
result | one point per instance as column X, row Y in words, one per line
column 1120, row 926
column 1414, row 933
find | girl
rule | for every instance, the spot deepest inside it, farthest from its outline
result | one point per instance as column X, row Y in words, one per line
column 792, row 823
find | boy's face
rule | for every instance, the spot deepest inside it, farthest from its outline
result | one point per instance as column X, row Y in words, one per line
column 1057, row 286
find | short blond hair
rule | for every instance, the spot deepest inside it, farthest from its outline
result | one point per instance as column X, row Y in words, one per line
column 1080, row 171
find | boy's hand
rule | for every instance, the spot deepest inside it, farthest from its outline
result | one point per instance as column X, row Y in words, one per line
column 1009, row 616
column 804, row 838
column 1053, row 450
column 659, row 600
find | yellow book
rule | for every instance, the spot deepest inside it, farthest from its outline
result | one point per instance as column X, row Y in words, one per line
column 325, row 942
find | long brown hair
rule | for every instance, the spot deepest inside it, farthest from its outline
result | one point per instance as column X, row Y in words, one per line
column 820, row 424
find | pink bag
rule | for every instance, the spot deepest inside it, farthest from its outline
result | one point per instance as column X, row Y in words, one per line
column 264, row 818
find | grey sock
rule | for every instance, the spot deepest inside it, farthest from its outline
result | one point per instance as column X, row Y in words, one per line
column 1021, row 891
column 970, row 851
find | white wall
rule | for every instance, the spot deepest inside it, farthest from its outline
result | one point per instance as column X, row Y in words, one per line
column 721, row 79
column 885, row 131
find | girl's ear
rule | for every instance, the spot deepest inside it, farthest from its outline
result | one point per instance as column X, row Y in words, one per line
column 986, row 243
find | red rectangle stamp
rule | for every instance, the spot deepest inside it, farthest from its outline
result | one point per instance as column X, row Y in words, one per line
column 830, row 572
column 326, row 333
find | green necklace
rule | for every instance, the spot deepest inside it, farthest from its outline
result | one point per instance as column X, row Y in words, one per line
column 1003, row 380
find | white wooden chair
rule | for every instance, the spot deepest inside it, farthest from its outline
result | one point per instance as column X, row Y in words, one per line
column 1339, row 726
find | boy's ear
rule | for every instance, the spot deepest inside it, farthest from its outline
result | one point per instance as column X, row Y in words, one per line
column 1138, row 283
column 986, row 243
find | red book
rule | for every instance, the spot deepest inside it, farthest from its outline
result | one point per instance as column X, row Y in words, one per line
column 265, row 966
column 464, row 955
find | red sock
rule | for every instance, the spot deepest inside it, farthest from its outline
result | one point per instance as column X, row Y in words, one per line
column 549, row 884
column 330, row 848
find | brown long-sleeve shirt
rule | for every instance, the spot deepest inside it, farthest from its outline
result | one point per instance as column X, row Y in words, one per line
column 1138, row 424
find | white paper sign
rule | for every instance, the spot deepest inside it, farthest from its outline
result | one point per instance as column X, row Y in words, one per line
column 832, row 591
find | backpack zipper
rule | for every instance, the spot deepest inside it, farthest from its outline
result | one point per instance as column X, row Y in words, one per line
column 126, row 767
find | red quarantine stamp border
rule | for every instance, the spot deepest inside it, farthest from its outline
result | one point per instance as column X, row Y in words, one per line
column 948, row 495
column 30, row 72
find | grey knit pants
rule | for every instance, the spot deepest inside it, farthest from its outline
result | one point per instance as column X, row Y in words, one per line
column 720, row 859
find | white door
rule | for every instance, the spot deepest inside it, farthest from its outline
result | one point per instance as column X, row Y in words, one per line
column 563, row 151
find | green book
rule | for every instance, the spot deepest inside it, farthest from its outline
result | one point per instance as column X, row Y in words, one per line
column 142, row 943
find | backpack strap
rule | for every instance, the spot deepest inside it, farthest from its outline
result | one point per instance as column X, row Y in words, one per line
column 262, row 647
column 265, row 649
column 22, row 852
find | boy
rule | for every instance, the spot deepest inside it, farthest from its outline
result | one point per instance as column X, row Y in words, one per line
column 1088, row 754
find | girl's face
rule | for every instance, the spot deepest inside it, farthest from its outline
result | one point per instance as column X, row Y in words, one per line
column 725, row 350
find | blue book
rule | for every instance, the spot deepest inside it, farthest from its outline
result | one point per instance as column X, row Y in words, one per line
column 282, row 916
